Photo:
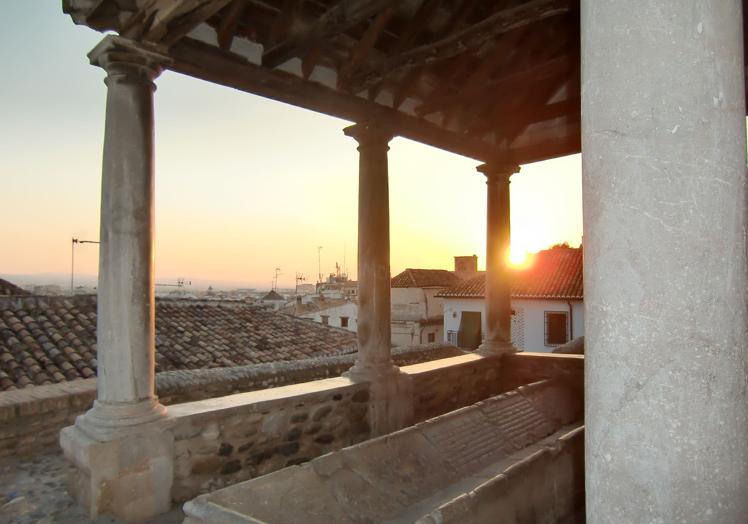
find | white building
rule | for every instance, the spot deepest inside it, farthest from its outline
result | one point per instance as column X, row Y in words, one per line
column 547, row 304
column 417, row 309
column 273, row 300
column 341, row 313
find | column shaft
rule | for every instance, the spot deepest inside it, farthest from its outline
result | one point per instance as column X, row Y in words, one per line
column 498, row 305
column 374, row 336
column 664, row 179
column 126, row 308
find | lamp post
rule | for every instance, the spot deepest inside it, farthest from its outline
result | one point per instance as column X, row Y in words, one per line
column 72, row 260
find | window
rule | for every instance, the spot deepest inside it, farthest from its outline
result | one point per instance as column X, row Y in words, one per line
column 556, row 328
column 452, row 337
column 432, row 338
column 343, row 321
column 325, row 319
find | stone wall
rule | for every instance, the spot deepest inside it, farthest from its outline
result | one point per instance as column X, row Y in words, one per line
column 547, row 486
column 224, row 441
column 441, row 386
column 31, row 418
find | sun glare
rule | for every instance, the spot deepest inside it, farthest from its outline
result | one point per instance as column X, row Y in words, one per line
column 518, row 257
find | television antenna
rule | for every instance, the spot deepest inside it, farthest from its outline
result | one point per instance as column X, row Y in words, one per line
column 275, row 280
column 319, row 264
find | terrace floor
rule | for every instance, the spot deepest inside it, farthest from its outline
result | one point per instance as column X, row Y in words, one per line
column 33, row 490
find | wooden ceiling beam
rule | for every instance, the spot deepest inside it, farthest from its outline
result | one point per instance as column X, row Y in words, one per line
column 472, row 37
column 206, row 62
column 341, row 17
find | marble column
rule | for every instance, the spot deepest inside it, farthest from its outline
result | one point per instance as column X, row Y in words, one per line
column 498, row 336
column 126, row 309
column 666, row 322
column 374, row 336
column 122, row 447
column 390, row 404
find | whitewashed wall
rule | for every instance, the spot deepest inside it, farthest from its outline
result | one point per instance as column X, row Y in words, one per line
column 528, row 323
column 349, row 310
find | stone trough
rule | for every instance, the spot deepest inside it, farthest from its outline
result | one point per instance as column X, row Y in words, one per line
column 511, row 458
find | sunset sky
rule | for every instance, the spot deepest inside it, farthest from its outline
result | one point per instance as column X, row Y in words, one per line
column 243, row 184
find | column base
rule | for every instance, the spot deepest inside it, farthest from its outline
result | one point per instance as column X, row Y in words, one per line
column 124, row 459
column 390, row 397
column 128, row 476
column 496, row 347
column 367, row 373
column 107, row 420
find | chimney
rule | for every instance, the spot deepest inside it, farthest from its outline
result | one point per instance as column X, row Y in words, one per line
column 466, row 266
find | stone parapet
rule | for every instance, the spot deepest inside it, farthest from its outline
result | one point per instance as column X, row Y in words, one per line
column 220, row 442
column 31, row 418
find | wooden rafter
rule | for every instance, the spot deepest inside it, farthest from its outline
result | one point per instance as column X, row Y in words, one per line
column 417, row 23
column 166, row 21
column 541, row 72
column 344, row 15
column 458, row 43
column 229, row 23
column 514, row 48
column 181, row 26
column 480, row 118
column 363, row 47
column 537, row 109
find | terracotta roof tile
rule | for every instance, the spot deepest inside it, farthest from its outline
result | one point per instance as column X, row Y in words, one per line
column 425, row 278
column 8, row 289
column 45, row 340
column 553, row 274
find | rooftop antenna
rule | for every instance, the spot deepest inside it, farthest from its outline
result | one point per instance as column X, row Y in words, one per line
column 299, row 278
column 72, row 260
column 181, row 282
column 319, row 264
column 275, row 280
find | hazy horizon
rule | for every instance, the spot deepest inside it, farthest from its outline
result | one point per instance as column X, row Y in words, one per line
column 243, row 184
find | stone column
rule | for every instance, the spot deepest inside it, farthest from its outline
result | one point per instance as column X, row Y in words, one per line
column 374, row 336
column 126, row 309
column 664, row 179
column 391, row 393
column 121, row 447
column 498, row 336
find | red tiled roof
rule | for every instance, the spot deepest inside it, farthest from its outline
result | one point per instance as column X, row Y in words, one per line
column 313, row 307
column 273, row 296
column 10, row 289
column 45, row 340
column 425, row 278
column 554, row 274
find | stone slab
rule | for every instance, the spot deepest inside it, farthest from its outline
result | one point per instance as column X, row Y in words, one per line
column 383, row 479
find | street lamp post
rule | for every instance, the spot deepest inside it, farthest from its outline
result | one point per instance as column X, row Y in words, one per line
column 72, row 260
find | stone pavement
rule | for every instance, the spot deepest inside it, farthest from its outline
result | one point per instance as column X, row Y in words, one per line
column 32, row 490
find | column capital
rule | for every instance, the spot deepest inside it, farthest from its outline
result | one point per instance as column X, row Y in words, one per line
column 494, row 170
column 124, row 58
column 371, row 133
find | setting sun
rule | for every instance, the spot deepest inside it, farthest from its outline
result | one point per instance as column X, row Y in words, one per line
column 519, row 257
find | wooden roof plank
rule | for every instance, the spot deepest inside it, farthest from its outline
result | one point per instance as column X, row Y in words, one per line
column 470, row 38
column 186, row 23
column 341, row 17
column 364, row 47
column 227, row 28
column 550, row 68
